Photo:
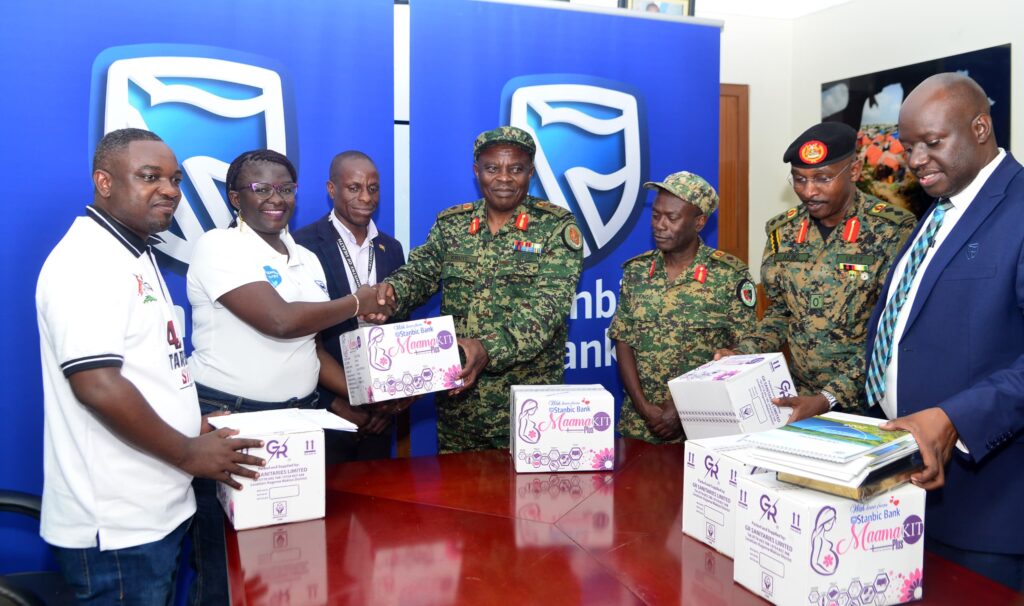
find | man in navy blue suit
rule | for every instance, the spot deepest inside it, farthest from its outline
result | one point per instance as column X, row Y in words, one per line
column 354, row 252
column 946, row 342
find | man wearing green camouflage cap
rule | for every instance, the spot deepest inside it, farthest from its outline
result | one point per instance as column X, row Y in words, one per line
column 507, row 266
column 823, row 269
column 677, row 303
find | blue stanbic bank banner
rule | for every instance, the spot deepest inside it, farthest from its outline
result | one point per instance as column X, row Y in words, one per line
column 213, row 79
column 613, row 101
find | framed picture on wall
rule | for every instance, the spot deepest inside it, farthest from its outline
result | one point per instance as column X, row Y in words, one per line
column 665, row 7
column 871, row 103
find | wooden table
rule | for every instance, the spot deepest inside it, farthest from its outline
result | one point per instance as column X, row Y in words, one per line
column 466, row 529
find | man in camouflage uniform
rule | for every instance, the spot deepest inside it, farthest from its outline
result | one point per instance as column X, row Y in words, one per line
column 507, row 265
column 676, row 304
column 823, row 270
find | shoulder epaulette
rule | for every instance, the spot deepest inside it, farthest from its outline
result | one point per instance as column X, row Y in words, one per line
column 458, row 209
column 781, row 219
column 734, row 262
column 554, row 209
column 893, row 214
column 640, row 257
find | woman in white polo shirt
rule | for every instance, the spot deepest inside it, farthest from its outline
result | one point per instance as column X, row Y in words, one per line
column 258, row 301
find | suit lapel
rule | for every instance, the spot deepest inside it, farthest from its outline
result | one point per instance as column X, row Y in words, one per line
column 329, row 247
column 980, row 208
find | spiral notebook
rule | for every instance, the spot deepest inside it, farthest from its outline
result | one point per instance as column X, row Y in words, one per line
column 835, row 437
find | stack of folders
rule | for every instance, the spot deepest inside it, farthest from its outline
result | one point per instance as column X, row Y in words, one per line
column 842, row 454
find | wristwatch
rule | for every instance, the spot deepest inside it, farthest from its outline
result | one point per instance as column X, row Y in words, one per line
column 830, row 398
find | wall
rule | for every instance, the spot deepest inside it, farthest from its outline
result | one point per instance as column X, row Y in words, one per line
column 758, row 52
column 786, row 61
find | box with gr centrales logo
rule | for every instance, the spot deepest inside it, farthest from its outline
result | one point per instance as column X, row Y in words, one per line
column 290, row 488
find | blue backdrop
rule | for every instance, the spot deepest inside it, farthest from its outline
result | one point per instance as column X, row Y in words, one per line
column 615, row 100
column 318, row 76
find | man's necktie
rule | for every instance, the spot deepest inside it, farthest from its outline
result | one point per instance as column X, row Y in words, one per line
column 882, row 351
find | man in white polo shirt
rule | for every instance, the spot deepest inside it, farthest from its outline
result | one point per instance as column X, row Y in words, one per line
column 122, row 424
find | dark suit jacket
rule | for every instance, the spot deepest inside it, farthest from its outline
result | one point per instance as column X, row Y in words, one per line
column 322, row 239
column 963, row 350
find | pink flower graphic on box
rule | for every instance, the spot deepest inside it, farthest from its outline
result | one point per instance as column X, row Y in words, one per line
column 603, row 459
column 912, row 587
column 451, row 377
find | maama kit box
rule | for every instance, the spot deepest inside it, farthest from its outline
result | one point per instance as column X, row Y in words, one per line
column 711, row 476
column 561, row 428
column 795, row 545
column 733, row 395
column 291, row 485
column 400, row 360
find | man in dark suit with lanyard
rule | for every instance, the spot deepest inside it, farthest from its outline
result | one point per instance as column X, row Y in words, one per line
column 354, row 252
column 946, row 341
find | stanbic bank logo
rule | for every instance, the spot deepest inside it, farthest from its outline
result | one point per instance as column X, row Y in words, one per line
column 209, row 104
column 591, row 158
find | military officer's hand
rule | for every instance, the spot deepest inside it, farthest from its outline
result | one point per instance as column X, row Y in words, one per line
column 383, row 308
column 666, row 425
column 935, row 437
column 476, row 359
column 724, row 353
column 803, row 406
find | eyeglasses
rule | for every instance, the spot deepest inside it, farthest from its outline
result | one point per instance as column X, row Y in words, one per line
column 263, row 191
column 819, row 180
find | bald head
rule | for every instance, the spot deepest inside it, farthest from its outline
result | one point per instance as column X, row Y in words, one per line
column 946, row 130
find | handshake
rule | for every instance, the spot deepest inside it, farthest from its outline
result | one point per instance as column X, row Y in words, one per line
column 375, row 304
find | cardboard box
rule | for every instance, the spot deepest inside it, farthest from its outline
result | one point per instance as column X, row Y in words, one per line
column 400, row 360
column 291, row 485
column 561, row 428
column 799, row 546
column 710, row 487
column 732, row 395
column 290, row 560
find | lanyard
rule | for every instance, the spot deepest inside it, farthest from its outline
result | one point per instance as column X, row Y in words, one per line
column 352, row 266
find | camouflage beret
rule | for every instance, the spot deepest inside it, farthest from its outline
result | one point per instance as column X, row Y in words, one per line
column 690, row 188
column 504, row 135
column 821, row 145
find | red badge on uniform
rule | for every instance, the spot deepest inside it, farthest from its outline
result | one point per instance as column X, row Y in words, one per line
column 700, row 273
column 851, row 229
column 813, row 152
column 474, row 226
column 801, row 236
column 522, row 221
column 650, row 274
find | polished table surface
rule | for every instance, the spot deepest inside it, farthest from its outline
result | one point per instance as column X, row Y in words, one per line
column 466, row 529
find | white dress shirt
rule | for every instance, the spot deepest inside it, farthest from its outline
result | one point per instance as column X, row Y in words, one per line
column 960, row 203
column 359, row 253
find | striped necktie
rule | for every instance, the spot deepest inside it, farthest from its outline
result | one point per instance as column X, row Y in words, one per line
column 882, row 351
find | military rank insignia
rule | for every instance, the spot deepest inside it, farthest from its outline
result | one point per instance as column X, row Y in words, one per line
column 813, row 152
column 527, row 247
column 700, row 273
column 474, row 226
column 747, row 293
column 801, row 235
column 851, row 230
column 522, row 221
column 572, row 237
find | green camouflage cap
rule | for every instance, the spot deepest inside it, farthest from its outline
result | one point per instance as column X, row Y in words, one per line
column 508, row 135
column 690, row 188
